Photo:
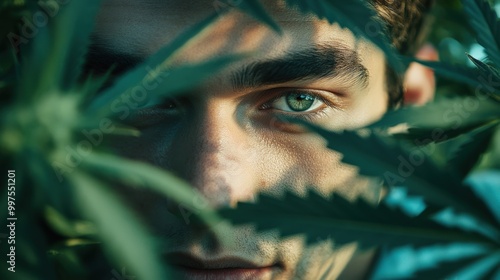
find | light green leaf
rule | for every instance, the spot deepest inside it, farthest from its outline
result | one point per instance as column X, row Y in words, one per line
column 154, row 178
column 120, row 230
column 484, row 21
column 65, row 227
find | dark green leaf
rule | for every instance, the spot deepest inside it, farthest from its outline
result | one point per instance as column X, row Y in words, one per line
column 487, row 71
column 468, row 148
column 484, row 21
column 381, row 157
column 344, row 221
column 167, row 83
column 479, row 80
column 135, row 76
column 57, row 52
column 425, row 136
column 358, row 17
column 185, row 77
column 31, row 246
column 448, row 114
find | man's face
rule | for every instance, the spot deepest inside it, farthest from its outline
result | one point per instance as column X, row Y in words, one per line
column 226, row 137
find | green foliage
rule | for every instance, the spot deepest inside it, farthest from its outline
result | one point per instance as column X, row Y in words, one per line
column 453, row 230
column 135, row 76
column 320, row 218
column 111, row 215
column 447, row 200
column 484, row 20
column 467, row 75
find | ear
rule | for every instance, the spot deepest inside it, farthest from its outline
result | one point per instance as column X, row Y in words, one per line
column 419, row 82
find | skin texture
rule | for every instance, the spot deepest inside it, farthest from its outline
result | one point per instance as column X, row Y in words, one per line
column 227, row 141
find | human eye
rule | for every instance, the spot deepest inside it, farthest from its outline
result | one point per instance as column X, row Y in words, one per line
column 299, row 103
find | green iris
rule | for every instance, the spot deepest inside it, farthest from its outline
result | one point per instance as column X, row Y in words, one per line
column 299, row 101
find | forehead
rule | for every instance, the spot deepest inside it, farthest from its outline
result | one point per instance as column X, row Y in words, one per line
column 140, row 28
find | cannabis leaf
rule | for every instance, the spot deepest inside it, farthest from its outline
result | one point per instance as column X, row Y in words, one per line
column 473, row 77
column 135, row 76
column 484, row 21
column 109, row 214
column 159, row 180
column 56, row 56
column 487, row 71
column 382, row 157
column 344, row 221
column 431, row 262
column 448, row 114
column 486, row 184
column 469, row 147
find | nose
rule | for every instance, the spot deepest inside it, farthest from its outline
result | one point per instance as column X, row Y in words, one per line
column 213, row 152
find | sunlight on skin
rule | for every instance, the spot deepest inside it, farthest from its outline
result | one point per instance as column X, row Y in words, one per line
column 228, row 147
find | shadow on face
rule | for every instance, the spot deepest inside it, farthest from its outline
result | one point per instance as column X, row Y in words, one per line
column 226, row 137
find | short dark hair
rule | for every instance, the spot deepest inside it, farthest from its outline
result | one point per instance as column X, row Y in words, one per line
column 406, row 21
column 407, row 25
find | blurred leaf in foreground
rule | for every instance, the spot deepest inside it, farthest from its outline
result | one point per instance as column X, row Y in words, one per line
column 133, row 244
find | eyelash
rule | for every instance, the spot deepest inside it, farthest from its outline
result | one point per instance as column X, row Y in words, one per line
column 306, row 116
column 147, row 116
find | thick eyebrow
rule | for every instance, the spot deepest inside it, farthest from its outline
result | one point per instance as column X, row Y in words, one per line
column 317, row 62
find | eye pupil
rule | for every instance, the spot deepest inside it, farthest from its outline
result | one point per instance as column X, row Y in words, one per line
column 299, row 101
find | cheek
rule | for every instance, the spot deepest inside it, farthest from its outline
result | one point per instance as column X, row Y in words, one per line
column 299, row 162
